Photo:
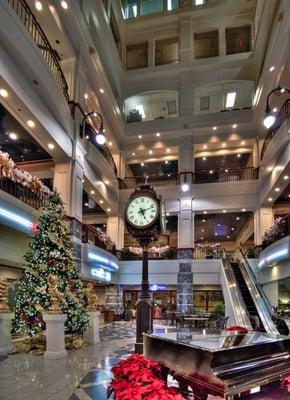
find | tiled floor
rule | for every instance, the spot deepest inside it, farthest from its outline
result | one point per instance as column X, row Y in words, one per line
column 83, row 375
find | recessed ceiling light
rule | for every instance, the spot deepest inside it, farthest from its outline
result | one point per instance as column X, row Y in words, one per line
column 224, row 211
column 232, row 229
column 272, row 68
column 270, row 199
column 214, row 128
column 101, row 90
column 150, row 152
column 224, row 144
column 201, row 238
column 235, row 126
column 101, row 201
column 142, row 164
column 87, row 137
column 243, row 209
column 166, row 161
column 238, row 218
column 3, row 93
column 50, row 146
column 38, row 5
column 215, row 234
column 157, row 134
column 83, row 180
column 110, row 144
column 226, row 170
column 92, row 192
column 205, row 212
column 270, row 169
column 211, row 171
column 133, row 154
column 285, row 177
column 167, row 214
column 107, row 182
column 238, row 155
column 219, row 224
column 86, row 96
column 140, row 136
column 108, row 209
column 243, row 143
column 204, row 158
column 203, row 220
column 228, row 237
column 64, row 4
column 87, row 204
column 13, row 136
column 31, row 123
column 275, row 109
column 202, row 230
column 168, row 150
column 277, row 189
column 205, row 146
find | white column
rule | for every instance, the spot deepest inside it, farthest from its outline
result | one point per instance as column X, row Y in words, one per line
column 263, row 219
column 185, row 45
column 55, row 344
column 116, row 230
column 120, row 164
column 186, row 157
column 185, row 224
column 256, row 153
column 5, row 335
column 186, row 98
column 91, row 335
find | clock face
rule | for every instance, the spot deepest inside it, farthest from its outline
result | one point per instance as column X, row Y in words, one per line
column 142, row 211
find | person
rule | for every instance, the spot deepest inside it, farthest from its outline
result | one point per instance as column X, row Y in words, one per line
column 157, row 312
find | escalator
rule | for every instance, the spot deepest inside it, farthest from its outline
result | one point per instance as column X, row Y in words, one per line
column 250, row 306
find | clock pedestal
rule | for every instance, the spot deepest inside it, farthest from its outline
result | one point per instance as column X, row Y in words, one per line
column 144, row 315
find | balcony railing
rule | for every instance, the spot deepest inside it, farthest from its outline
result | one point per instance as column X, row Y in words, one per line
column 199, row 177
column 91, row 235
column 33, row 198
column 26, row 16
column 282, row 230
column 282, row 115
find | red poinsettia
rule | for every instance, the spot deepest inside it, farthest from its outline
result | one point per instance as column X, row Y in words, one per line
column 237, row 328
column 137, row 378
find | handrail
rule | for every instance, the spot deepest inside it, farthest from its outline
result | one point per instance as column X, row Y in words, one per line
column 28, row 19
column 282, row 115
column 259, row 297
column 236, row 298
column 197, row 177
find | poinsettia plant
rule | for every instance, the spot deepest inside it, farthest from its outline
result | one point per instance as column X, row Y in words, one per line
column 137, row 378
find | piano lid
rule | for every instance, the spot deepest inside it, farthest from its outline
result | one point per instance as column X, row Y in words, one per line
column 213, row 341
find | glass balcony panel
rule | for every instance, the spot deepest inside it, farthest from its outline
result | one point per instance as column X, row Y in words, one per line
column 223, row 96
column 172, row 4
column 152, row 105
column 151, row 7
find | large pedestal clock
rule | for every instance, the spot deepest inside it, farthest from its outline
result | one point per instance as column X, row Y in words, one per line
column 145, row 218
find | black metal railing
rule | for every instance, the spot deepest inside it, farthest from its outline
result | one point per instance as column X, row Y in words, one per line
column 207, row 252
column 30, row 22
column 34, row 198
column 282, row 231
column 199, row 177
column 282, row 115
column 91, row 235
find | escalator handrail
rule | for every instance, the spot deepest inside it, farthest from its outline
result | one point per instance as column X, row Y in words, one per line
column 235, row 293
column 265, row 313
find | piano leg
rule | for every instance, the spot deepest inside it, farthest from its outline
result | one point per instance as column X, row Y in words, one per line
column 164, row 372
column 199, row 394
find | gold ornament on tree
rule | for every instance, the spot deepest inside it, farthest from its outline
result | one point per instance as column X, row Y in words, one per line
column 4, row 296
column 91, row 296
column 56, row 297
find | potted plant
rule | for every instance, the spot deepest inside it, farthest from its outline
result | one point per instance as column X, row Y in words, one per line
column 219, row 308
column 209, row 252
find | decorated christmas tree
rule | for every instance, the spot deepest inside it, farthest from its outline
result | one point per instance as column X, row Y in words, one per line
column 50, row 254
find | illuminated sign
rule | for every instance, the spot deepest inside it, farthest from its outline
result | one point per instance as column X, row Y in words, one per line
column 103, row 260
column 154, row 288
column 13, row 217
column 100, row 273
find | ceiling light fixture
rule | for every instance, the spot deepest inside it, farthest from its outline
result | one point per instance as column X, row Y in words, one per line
column 166, row 161
column 101, row 90
column 243, row 209
column 139, row 136
column 205, row 146
column 214, row 128
column 108, row 209
column 235, row 126
column 92, row 192
column 168, row 150
column 13, row 136
column 64, row 5
column 3, row 93
column 107, row 182
column 50, row 146
column 157, row 134
column 150, row 152
column 272, row 68
column 38, row 5
column 243, row 143
column 224, row 211
column 101, row 201
column 204, row 158
column 86, row 96
column 239, row 155
column 133, row 154
column 224, row 144
column 211, row 171
column 31, row 123
column 110, row 144
column 142, row 164
column 231, row 98
column 285, row 177
column 270, row 199
column 277, row 189
column 205, row 212
column 275, row 109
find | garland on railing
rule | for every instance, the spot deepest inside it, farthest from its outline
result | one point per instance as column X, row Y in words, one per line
column 11, row 171
column 103, row 237
column 274, row 230
column 154, row 249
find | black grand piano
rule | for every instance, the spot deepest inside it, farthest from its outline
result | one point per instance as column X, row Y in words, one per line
column 219, row 363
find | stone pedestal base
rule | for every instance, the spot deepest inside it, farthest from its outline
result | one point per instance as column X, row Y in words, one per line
column 5, row 335
column 55, row 345
column 91, row 335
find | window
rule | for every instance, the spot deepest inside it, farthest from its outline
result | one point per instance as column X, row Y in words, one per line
column 151, row 6
column 166, row 51
column 204, row 103
column 137, row 56
column 130, row 8
column 172, row 4
column 206, row 44
column 238, row 40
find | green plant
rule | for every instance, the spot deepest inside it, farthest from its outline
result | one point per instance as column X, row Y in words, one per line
column 219, row 308
column 171, row 254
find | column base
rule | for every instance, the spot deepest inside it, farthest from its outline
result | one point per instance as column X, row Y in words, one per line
column 5, row 335
column 55, row 355
column 139, row 347
column 91, row 335
column 55, row 344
